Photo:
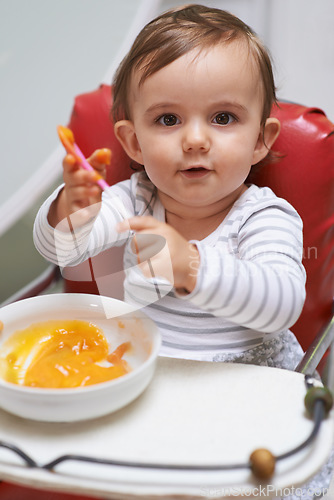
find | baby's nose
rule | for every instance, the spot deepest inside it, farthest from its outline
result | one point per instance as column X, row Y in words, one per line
column 196, row 137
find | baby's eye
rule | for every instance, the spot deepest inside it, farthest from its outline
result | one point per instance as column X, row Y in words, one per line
column 168, row 120
column 224, row 119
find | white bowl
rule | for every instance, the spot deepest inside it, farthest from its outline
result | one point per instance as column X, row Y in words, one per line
column 82, row 403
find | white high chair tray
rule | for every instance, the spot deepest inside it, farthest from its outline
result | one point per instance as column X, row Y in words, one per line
column 192, row 413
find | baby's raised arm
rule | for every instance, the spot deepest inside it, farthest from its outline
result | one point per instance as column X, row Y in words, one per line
column 77, row 221
column 80, row 189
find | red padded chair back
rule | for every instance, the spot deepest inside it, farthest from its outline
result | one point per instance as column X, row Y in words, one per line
column 304, row 176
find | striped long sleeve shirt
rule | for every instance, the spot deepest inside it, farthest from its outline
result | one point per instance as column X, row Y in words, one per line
column 250, row 285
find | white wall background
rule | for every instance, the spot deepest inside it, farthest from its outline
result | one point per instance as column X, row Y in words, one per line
column 51, row 50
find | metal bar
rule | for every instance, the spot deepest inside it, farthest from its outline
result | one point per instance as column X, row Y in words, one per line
column 329, row 372
column 48, row 277
column 317, row 349
column 28, row 460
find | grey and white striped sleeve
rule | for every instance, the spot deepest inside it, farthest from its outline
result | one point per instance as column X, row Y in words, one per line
column 67, row 247
column 262, row 285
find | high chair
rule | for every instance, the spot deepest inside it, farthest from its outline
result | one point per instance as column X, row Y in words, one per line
column 303, row 174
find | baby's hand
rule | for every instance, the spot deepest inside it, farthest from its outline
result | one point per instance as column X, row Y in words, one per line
column 183, row 255
column 80, row 190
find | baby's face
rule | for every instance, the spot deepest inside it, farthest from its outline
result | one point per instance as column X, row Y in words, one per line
column 197, row 125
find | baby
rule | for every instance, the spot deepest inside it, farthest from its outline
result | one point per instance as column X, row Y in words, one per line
column 192, row 102
column 213, row 260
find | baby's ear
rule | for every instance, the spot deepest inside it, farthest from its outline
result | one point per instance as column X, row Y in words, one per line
column 268, row 135
column 125, row 133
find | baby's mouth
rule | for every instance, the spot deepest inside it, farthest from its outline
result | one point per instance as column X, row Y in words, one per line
column 195, row 172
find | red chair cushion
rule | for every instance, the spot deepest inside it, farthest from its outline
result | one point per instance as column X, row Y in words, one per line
column 304, row 176
column 10, row 491
column 93, row 129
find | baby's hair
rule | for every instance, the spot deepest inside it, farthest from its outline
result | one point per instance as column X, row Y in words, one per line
column 178, row 31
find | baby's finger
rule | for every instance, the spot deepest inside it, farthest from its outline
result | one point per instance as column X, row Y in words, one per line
column 99, row 159
column 74, row 175
column 70, row 163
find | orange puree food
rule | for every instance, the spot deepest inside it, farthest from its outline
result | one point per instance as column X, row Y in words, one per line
column 61, row 354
